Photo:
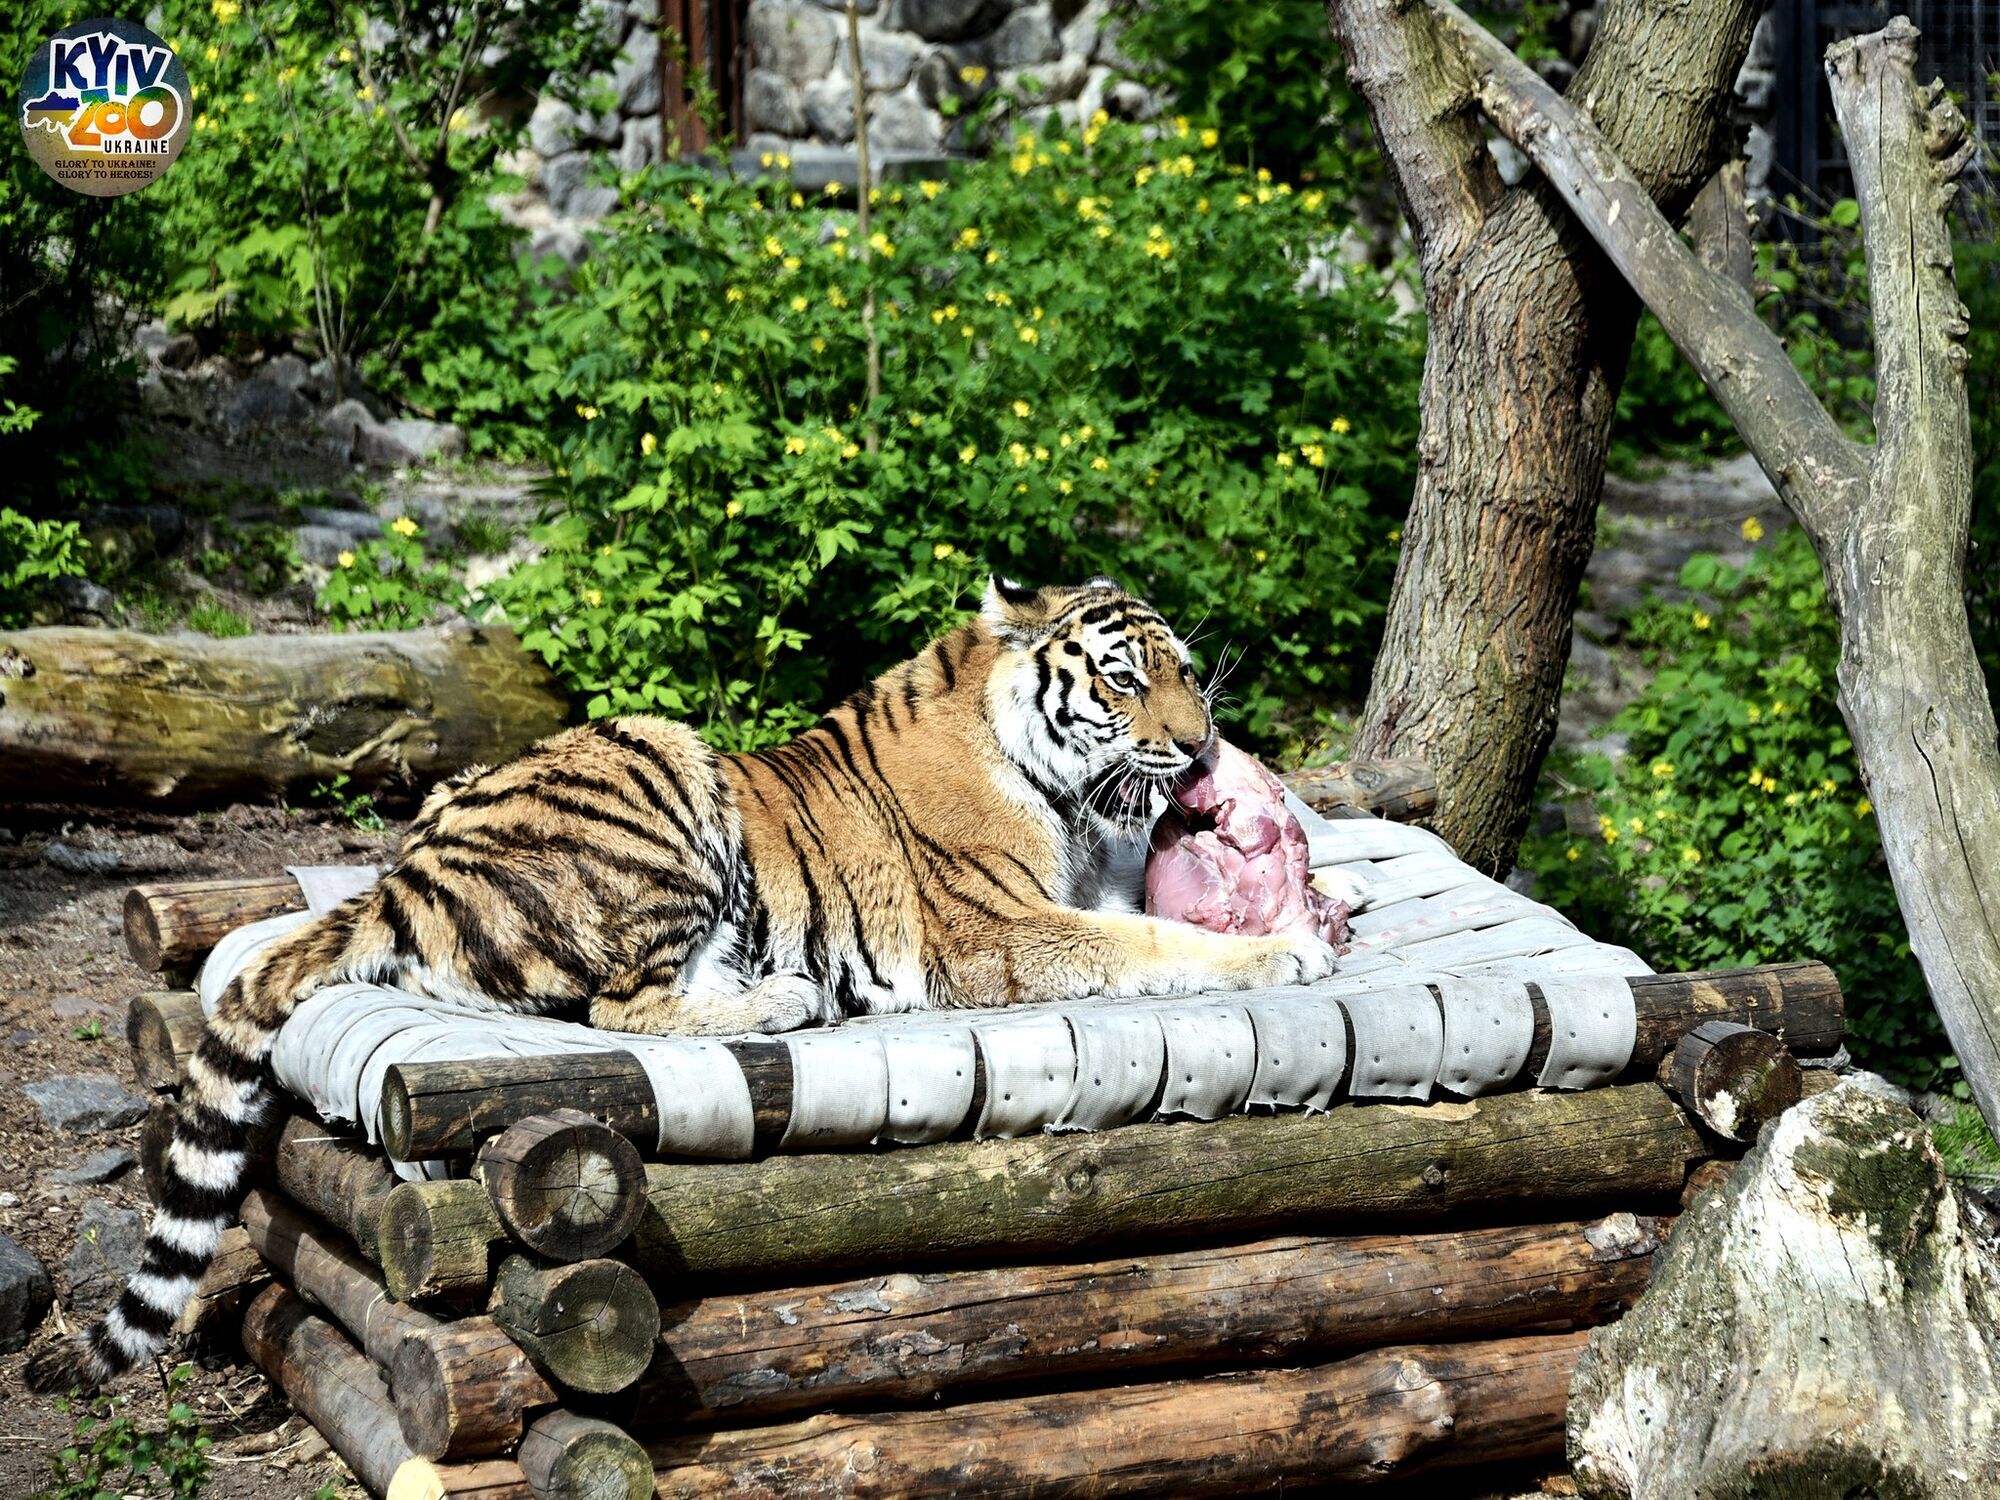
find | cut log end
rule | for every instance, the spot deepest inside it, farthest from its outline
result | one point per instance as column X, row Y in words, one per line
column 564, row 1185
column 591, row 1326
column 1733, row 1078
column 434, row 1239
column 464, row 1389
column 569, row 1457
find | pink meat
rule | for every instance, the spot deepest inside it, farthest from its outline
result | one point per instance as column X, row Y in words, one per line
column 1228, row 855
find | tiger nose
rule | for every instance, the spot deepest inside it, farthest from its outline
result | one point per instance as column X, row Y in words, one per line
column 1195, row 749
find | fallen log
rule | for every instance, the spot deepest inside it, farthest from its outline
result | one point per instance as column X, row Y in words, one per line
column 163, row 1028
column 568, row 1457
column 590, row 1325
column 1734, row 1079
column 173, row 924
column 330, row 1382
column 1399, row 790
column 1824, row 1322
column 436, row 1239
column 114, row 716
column 327, row 1273
column 788, row 1216
column 564, row 1185
column 336, row 1176
column 903, row 1338
column 490, row 1479
column 1382, row 1416
column 443, row 1109
column 234, row 1276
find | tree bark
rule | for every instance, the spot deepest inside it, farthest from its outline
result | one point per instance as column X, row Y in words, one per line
column 173, row 924
column 1383, row 1416
column 1055, row 1195
column 564, row 1185
column 1528, row 340
column 163, row 1028
column 114, row 716
column 906, row 1338
column 1826, row 1324
column 436, row 1239
column 1890, row 523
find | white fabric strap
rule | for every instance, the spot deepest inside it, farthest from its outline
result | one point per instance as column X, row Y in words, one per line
column 327, row 886
column 1301, row 1048
column 840, row 1088
column 1593, row 1026
column 1119, row 1056
column 1211, row 1060
column 232, row 955
column 1398, row 1043
column 1488, row 1029
column 1030, row 1065
column 931, row 1074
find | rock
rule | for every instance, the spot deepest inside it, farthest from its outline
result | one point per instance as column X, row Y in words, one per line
column 1132, row 101
column 572, row 191
column 829, row 109
column 78, row 1007
column 556, row 127
column 99, row 1166
column 797, row 40
column 612, row 17
column 84, row 601
column 286, row 371
column 865, row 7
column 108, row 1243
column 772, row 101
column 941, row 75
column 887, row 60
column 26, row 1295
column 901, row 122
column 946, row 20
column 181, row 352
column 1048, row 83
column 639, row 146
column 562, row 242
column 86, row 1103
column 1826, row 1322
column 636, row 75
column 428, row 440
column 356, row 525
column 150, row 338
column 1023, row 39
column 1085, row 32
column 72, row 859
column 362, row 439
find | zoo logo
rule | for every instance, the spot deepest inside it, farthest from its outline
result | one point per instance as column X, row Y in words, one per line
column 104, row 107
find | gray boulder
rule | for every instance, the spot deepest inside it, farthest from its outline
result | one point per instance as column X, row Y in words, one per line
column 429, row 441
column 830, row 109
column 902, row 122
column 772, row 101
column 108, row 1244
column 1025, row 38
column 797, row 40
column 887, row 60
column 86, row 1103
column 99, row 1166
column 564, row 242
column 946, row 20
column 636, row 75
column 639, row 145
column 572, row 191
column 941, row 75
column 26, row 1295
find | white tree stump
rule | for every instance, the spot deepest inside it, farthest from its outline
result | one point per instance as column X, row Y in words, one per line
column 1825, row 1324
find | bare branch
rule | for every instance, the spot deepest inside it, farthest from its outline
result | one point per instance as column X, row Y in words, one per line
column 1819, row 471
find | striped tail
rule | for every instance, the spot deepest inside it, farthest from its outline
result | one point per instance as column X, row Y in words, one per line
column 225, row 1099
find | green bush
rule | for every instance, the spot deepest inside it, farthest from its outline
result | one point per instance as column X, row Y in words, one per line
column 1735, row 830
column 388, row 585
column 110, row 1455
column 33, row 555
column 1093, row 359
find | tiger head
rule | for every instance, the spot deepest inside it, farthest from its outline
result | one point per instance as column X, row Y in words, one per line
column 1095, row 697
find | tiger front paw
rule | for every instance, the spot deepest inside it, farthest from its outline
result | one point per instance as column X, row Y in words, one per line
column 1291, row 959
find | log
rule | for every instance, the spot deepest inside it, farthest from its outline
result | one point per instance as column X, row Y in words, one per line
column 236, row 1274
column 113, row 716
column 464, row 1389
column 445, row 1109
column 568, row 1457
column 1734, row 1079
column 564, row 1185
column 173, row 924
column 448, row 1108
column 330, row 1382
column 1400, row 790
column 903, row 1338
column 489, row 1479
column 155, row 1135
column 1053, row 1195
column 590, row 1325
column 1823, row 1323
column 433, row 1239
column 164, row 1027
column 1387, row 1415
column 336, row 1176
column 319, row 1267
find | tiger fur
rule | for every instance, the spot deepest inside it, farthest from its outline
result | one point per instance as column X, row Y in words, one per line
column 942, row 838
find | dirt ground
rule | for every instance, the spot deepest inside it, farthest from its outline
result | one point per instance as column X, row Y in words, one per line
column 65, row 979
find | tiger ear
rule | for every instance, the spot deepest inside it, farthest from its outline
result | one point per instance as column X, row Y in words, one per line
column 1012, row 611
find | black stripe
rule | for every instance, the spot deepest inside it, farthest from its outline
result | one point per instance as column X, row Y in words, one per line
column 219, row 1057
column 163, row 1259
column 402, row 935
column 493, row 971
column 815, row 917
column 552, row 934
column 945, row 664
column 138, row 1313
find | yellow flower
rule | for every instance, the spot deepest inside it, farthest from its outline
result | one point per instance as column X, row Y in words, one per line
column 819, row 346
column 365, row 92
column 1244, row 200
column 647, row 444
column 1143, row 176
column 593, row 597
column 226, row 10
column 1314, row 454
column 795, row 444
column 1610, row 835
column 800, row 304
column 1313, row 200
column 1572, row 854
column 345, row 55
column 941, row 550
column 1863, row 808
column 733, row 294
column 403, row 526
column 852, row 450
column 696, row 201
column 1702, row 621
column 1284, row 460
column 1756, row 778
column 1065, row 486
column 1104, row 231
column 1792, row 799
column 1827, row 785
column 1341, row 426
column 1030, row 336
column 1180, row 125
column 836, row 297
column 1663, row 768
column 1637, row 825
column 1020, row 454
column 1753, row 530
column 772, row 248
column 950, row 311
column 1753, row 713
column 972, row 74
column 881, row 245
column 1261, row 555
column 214, row 52
column 1086, row 432
column 1000, row 299
column 1021, row 489
column 968, row 237
column 1211, row 137
column 992, row 257
column 1065, row 440
column 346, row 559
column 797, row 200
column 1100, row 118
column 1201, row 205
column 1778, row 708
column 930, row 187
column 1690, row 856
column 1100, row 463
column 1041, row 454
column 1263, row 174
column 965, row 330
column 967, row 454
column 733, row 509
column 915, row 419
column 792, row 262
column 1022, row 409
column 1396, row 535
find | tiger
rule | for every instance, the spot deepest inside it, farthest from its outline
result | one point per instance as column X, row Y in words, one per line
column 951, row 835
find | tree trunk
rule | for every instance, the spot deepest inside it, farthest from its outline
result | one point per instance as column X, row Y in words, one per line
column 906, row 1338
column 1528, row 340
column 1055, row 1195
column 1890, row 523
column 1825, row 1325
column 173, row 924
column 114, row 716
column 1382, row 1416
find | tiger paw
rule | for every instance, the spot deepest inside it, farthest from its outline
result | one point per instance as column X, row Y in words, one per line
column 1291, row 959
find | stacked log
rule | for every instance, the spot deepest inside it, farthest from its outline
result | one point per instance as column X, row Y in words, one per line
column 1370, row 1293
